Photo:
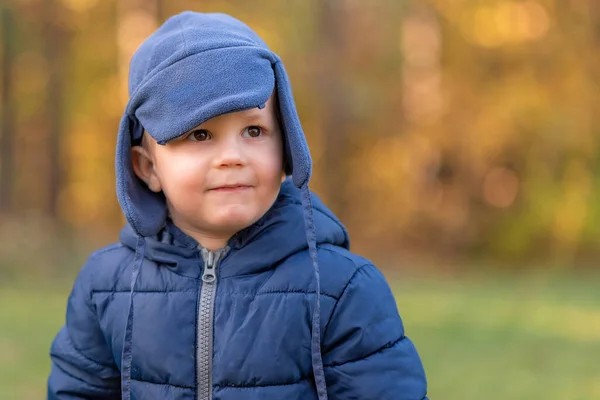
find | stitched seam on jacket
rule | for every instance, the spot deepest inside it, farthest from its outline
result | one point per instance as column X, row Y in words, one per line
column 84, row 382
column 161, row 265
column 280, row 292
column 144, row 291
column 380, row 350
column 93, row 258
column 90, row 305
column 91, row 360
column 106, row 249
column 272, row 268
column 342, row 295
column 164, row 384
column 234, row 386
column 291, row 200
column 326, row 247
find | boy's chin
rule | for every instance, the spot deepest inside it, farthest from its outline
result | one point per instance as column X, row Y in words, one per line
column 235, row 220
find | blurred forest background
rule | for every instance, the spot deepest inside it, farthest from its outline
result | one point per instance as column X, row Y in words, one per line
column 456, row 128
column 449, row 136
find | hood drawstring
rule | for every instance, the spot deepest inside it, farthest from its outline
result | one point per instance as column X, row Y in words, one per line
column 127, row 355
column 315, row 344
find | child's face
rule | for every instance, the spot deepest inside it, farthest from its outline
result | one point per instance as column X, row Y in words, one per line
column 220, row 177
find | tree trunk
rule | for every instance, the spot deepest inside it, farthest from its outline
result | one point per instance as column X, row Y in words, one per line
column 55, row 46
column 335, row 120
column 136, row 20
column 8, row 112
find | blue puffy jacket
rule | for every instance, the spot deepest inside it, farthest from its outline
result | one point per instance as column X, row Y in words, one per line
column 259, row 342
column 285, row 311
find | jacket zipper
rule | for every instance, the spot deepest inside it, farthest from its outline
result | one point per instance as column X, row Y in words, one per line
column 205, row 321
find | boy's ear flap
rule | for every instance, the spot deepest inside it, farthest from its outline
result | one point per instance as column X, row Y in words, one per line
column 144, row 209
column 287, row 165
column 297, row 155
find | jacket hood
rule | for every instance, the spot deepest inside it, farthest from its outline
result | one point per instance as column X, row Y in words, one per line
column 253, row 246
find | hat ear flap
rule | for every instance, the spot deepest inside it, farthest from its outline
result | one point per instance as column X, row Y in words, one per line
column 134, row 196
column 298, row 161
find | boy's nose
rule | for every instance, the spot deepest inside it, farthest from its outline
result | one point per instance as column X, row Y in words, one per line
column 231, row 154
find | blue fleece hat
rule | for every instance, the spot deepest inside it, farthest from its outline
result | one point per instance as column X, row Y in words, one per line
column 195, row 67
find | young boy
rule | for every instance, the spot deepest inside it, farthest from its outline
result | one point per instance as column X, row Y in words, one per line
column 230, row 281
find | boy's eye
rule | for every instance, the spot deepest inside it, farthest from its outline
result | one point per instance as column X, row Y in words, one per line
column 253, row 131
column 199, row 135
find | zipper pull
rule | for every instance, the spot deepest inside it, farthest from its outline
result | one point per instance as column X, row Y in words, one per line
column 210, row 272
column 210, row 263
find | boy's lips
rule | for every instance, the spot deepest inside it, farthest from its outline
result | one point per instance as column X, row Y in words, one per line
column 230, row 188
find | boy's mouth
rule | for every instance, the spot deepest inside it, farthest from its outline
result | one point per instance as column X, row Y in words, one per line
column 230, row 188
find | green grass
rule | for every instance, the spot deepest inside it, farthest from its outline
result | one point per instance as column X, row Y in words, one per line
column 493, row 337
column 29, row 319
column 501, row 337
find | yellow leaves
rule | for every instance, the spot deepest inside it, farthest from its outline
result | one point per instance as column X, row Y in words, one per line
column 572, row 210
column 505, row 22
column 106, row 94
column 500, row 187
column 134, row 26
column 420, row 43
column 393, row 173
column 448, row 142
column 80, row 6
column 31, row 70
column 420, row 40
column 271, row 38
column 88, row 196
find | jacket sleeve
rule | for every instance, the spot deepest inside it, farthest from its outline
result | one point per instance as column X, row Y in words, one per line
column 365, row 352
column 83, row 366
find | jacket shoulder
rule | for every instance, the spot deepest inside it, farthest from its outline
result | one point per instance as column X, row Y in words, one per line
column 105, row 267
column 338, row 266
